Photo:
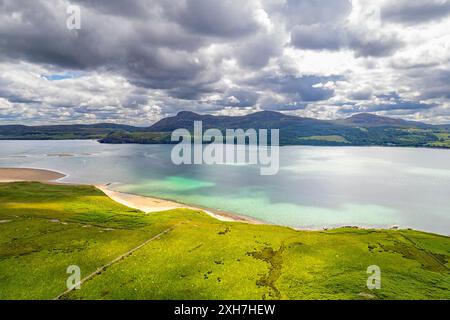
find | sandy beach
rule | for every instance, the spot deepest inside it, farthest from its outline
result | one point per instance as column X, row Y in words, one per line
column 151, row 204
column 25, row 174
column 145, row 204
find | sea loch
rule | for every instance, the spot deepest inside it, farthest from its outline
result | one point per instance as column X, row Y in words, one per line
column 316, row 187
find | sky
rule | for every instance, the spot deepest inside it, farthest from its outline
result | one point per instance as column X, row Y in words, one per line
column 137, row 61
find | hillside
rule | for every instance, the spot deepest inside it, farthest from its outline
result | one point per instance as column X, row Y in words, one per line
column 61, row 132
column 371, row 120
column 270, row 119
column 185, row 254
column 358, row 130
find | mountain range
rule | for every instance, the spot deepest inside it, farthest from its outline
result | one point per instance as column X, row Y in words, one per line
column 363, row 129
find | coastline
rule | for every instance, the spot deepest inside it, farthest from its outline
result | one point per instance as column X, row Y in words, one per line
column 77, row 225
column 153, row 204
column 29, row 174
column 142, row 203
column 149, row 204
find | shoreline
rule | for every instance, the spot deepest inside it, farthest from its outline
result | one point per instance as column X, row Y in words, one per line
column 149, row 204
column 145, row 204
column 29, row 174
column 281, row 145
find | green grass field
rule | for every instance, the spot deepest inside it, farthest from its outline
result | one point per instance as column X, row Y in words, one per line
column 332, row 138
column 46, row 228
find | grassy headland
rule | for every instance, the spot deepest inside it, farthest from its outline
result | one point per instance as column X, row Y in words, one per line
column 46, row 228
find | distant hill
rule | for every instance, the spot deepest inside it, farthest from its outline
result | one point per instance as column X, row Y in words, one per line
column 372, row 120
column 358, row 130
column 258, row 120
column 61, row 132
column 271, row 119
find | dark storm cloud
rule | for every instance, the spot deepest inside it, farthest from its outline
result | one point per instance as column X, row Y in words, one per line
column 389, row 96
column 123, row 46
column 318, row 37
column 361, row 95
column 257, row 52
column 153, row 44
column 374, row 47
column 417, row 11
column 336, row 37
column 33, row 35
column 391, row 101
column 214, row 18
column 240, row 98
column 18, row 99
column 294, row 106
column 401, row 105
column 438, row 83
column 129, row 8
column 301, row 89
column 318, row 24
column 311, row 12
column 138, row 57
column 191, row 92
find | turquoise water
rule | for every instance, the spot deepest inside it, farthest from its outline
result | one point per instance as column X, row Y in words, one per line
column 316, row 186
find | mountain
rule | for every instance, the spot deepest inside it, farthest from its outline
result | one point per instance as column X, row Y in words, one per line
column 358, row 130
column 372, row 120
column 258, row 120
column 271, row 119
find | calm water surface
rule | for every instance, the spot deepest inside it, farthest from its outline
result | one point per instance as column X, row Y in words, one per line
column 316, row 186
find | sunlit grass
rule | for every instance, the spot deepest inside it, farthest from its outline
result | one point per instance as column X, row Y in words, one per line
column 49, row 227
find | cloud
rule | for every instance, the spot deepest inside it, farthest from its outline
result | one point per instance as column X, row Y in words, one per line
column 414, row 12
column 215, row 18
column 300, row 89
column 361, row 33
column 239, row 98
column 400, row 105
column 361, row 94
column 310, row 12
column 257, row 52
column 137, row 61
column 318, row 37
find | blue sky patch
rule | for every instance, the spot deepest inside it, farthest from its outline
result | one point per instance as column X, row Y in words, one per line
column 61, row 76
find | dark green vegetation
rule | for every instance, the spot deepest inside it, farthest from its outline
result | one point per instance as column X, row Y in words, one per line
column 61, row 132
column 121, row 137
column 358, row 130
column 46, row 228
